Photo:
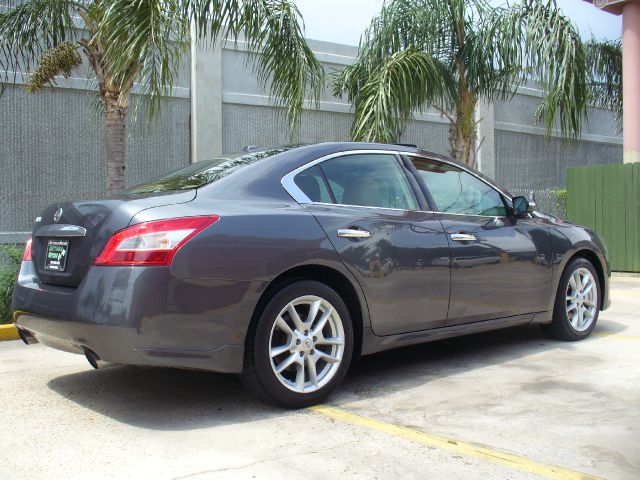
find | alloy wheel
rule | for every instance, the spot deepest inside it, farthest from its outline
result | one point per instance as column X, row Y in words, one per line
column 306, row 344
column 581, row 299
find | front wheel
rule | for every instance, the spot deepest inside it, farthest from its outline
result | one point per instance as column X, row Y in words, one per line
column 301, row 346
column 577, row 302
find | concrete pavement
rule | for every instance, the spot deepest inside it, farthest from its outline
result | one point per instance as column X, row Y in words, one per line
column 512, row 392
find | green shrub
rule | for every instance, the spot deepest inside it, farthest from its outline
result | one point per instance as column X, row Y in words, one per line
column 10, row 258
column 560, row 207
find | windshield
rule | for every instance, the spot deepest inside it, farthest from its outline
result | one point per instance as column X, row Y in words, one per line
column 205, row 172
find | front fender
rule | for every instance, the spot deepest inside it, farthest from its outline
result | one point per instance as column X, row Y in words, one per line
column 568, row 241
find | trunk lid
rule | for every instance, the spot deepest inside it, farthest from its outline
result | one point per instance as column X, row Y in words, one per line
column 68, row 236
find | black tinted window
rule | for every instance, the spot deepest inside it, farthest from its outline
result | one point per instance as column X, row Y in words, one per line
column 312, row 184
column 371, row 180
column 457, row 191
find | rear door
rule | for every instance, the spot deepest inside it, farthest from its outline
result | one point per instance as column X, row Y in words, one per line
column 371, row 212
column 500, row 264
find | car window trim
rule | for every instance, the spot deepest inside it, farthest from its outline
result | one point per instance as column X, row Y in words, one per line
column 326, row 183
column 418, row 192
column 344, row 205
column 298, row 195
column 426, row 193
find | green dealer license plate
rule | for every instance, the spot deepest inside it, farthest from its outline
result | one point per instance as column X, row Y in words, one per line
column 57, row 253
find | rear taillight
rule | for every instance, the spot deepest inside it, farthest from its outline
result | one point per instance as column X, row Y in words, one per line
column 26, row 257
column 152, row 243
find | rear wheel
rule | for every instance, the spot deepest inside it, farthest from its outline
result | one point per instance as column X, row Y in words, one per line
column 301, row 346
column 577, row 302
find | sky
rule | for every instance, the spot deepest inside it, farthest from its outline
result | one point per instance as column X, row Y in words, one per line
column 342, row 21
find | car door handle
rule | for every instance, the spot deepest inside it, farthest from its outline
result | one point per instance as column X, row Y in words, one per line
column 353, row 233
column 463, row 237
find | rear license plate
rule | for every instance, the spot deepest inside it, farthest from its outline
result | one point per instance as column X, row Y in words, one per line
column 57, row 253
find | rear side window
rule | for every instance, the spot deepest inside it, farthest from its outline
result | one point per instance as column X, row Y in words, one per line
column 313, row 185
column 457, row 191
column 369, row 180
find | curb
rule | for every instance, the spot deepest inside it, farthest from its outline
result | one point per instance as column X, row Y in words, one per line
column 9, row 332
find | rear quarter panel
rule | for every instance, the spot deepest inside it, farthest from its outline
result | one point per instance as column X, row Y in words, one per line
column 226, row 268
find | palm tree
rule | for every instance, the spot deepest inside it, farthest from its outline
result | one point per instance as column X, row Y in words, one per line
column 604, row 63
column 449, row 54
column 143, row 41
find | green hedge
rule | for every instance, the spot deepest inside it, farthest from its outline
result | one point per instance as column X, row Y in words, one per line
column 10, row 258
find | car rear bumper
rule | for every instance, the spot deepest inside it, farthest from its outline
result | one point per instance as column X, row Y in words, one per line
column 140, row 316
column 118, row 345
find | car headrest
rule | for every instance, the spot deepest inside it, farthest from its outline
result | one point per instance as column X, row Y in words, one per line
column 365, row 192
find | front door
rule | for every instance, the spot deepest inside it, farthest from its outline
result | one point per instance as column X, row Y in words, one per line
column 399, row 254
column 500, row 265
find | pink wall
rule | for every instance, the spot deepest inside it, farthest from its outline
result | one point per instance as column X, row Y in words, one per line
column 631, row 82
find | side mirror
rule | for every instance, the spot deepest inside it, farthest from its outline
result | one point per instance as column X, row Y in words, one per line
column 521, row 206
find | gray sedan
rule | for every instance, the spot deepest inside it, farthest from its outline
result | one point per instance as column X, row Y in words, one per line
column 285, row 265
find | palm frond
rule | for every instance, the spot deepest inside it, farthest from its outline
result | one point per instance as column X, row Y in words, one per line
column 287, row 62
column 30, row 28
column 604, row 62
column 274, row 28
column 425, row 25
column 386, row 100
column 486, row 77
column 146, row 36
column 536, row 37
column 440, row 30
column 144, row 41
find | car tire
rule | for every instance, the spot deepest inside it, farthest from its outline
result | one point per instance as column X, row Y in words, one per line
column 577, row 302
column 280, row 346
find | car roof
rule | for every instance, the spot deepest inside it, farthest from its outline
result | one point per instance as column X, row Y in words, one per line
column 263, row 178
column 337, row 147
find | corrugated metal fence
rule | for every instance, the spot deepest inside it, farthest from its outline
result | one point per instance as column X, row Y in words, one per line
column 607, row 199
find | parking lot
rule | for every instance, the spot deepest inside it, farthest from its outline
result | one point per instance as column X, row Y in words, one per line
column 507, row 404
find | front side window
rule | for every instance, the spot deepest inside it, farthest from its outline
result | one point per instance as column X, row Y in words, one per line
column 369, row 180
column 456, row 191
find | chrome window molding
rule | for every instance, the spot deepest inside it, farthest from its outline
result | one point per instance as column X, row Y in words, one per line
column 298, row 195
column 324, row 204
column 365, row 206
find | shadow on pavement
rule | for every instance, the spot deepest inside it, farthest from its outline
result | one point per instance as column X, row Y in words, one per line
column 410, row 367
column 172, row 399
column 163, row 398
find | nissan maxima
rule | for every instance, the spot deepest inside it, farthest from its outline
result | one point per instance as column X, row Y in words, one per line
column 285, row 265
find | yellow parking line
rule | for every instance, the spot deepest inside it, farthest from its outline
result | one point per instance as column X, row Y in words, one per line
column 502, row 458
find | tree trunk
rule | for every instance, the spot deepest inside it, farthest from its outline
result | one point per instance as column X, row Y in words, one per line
column 115, row 124
column 462, row 145
column 462, row 131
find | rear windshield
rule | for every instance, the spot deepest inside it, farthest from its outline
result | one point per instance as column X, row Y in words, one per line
column 205, row 172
